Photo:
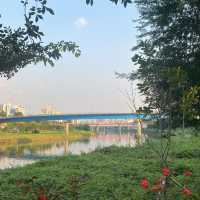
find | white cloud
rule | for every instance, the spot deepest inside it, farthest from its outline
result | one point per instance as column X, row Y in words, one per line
column 81, row 23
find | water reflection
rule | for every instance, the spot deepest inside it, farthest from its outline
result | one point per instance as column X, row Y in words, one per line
column 23, row 154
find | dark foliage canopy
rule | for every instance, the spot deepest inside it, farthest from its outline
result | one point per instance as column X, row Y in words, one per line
column 168, row 54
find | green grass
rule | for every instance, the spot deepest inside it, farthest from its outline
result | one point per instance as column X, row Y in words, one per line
column 108, row 174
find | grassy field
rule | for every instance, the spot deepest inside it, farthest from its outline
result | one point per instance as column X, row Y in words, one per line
column 111, row 173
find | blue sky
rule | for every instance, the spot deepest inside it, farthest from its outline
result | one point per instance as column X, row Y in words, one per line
column 105, row 34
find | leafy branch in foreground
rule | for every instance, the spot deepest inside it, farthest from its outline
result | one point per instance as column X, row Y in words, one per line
column 22, row 46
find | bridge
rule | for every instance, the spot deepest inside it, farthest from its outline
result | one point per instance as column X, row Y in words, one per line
column 70, row 117
column 122, row 124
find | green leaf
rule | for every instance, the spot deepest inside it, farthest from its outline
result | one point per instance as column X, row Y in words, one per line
column 50, row 11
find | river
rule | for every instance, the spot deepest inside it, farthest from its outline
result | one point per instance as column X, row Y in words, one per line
column 21, row 155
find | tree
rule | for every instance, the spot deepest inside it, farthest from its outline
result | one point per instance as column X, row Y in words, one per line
column 24, row 45
column 190, row 105
column 169, row 43
column 134, row 108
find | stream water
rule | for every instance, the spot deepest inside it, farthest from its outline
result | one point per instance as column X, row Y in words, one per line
column 21, row 155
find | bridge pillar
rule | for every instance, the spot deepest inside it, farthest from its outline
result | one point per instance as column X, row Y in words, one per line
column 129, row 139
column 139, row 132
column 92, row 128
column 66, row 129
column 104, row 130
column 120, row 133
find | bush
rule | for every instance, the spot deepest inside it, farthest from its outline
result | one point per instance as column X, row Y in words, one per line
column 36, row 131
column 185, row 132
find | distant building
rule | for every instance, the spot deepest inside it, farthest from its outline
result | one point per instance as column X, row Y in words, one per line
column 1, row 108
column 49, row 110
column 19, row 109
column 11, row 110
column 6, row 108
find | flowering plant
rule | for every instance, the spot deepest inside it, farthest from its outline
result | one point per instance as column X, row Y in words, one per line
column 160, row 188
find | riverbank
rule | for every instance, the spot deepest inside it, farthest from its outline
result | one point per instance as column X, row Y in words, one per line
column 110, row 173
column 44, row 137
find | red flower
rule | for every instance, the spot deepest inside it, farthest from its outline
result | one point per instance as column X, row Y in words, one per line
column 42, row 197
column 187, row 173
column 144, row 184
column 166, row 171
column 187, row 192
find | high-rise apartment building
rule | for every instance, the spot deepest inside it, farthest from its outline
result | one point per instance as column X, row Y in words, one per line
column 49, row 110
column 9, row 109
column 6, row 108
column 19, row 109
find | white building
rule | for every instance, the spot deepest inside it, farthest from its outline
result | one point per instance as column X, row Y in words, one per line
column 49, row 110
column 19, row 109
column 6, row 108
column 10, row 109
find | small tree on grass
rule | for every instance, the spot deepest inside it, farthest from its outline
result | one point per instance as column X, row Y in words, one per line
column 134, row 108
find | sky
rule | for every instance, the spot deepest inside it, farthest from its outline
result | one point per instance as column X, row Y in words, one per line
column 88, row 84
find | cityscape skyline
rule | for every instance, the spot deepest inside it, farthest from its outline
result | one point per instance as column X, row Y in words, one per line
column 13, row 109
